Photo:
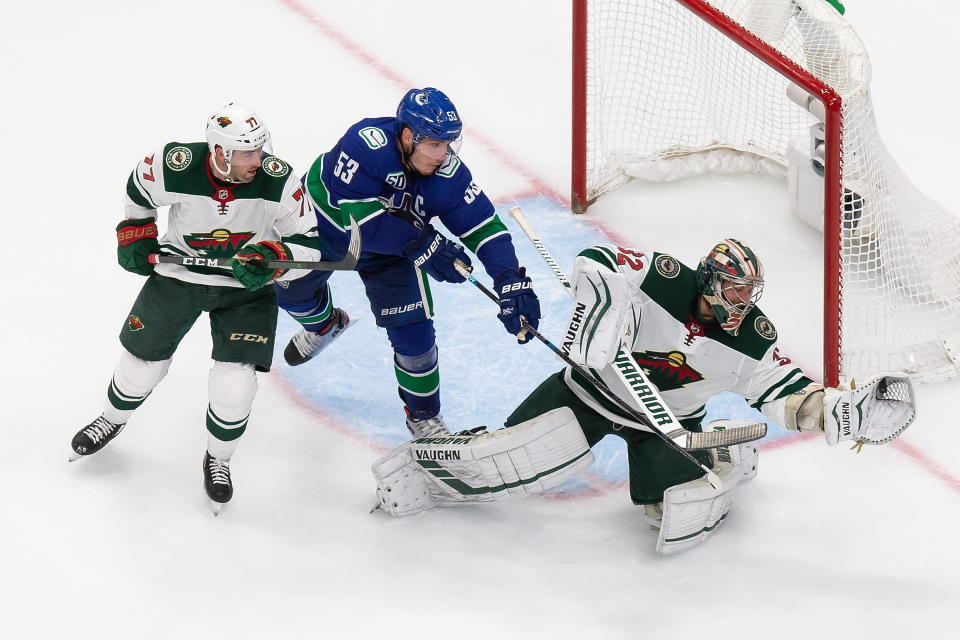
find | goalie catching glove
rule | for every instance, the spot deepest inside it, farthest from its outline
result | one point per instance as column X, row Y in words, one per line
column 136, row 240
column 875, row 413
column 247, row 267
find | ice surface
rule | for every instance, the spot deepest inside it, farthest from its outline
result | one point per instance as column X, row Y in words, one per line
column 822, row 544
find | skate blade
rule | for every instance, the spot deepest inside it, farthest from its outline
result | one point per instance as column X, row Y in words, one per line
column 215, row 508
column 74, row 456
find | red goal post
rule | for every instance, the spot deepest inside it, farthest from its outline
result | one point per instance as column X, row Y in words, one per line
column 665, row 89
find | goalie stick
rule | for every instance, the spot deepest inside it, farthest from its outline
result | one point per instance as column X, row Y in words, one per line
column 712, row 478
column 348, row 262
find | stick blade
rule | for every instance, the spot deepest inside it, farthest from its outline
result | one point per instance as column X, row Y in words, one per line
column 726, row 437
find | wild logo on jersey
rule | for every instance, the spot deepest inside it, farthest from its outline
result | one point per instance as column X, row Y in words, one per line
column 668, row 371
column 219, row 243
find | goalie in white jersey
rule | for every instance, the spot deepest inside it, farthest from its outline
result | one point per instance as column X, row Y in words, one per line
column 227, row 197
column 694, row 333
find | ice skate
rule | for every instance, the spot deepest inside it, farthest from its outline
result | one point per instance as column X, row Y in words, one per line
column 93, row 437
column 217, row 482
column 653, row 515
column 427, row 427
column 307, row 344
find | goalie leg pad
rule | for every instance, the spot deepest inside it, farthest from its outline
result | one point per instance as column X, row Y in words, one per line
column 694, row 510
column 512, row 462
column 401, row 483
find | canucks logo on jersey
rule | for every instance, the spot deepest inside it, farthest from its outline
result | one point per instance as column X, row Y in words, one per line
column 668, row 371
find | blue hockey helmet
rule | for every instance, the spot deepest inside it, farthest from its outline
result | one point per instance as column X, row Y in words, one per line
column 730, row 278
column 429, row 113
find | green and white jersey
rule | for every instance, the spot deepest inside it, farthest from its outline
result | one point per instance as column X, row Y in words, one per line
column 687, row 361
column 215, row 219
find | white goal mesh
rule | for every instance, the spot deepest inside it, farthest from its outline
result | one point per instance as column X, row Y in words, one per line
column 670, row 95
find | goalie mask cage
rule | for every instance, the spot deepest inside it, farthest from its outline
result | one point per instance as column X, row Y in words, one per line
column 665, row 89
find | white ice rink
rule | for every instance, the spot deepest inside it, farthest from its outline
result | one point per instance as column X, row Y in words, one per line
column 823, row 544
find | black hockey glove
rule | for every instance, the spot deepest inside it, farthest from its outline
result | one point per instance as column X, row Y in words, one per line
column 517, row 299
column 433, row 253
column 137, row 239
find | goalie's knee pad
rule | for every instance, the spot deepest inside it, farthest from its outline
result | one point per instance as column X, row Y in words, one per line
column 516, row 461
column 744, row 456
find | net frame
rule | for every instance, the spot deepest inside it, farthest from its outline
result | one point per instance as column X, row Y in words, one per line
column 838, row 367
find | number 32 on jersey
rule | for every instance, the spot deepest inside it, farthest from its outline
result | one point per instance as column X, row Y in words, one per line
column 630, row 257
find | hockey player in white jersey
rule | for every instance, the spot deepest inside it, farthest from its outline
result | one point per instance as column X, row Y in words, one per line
column 227, row 197
column 694, row 333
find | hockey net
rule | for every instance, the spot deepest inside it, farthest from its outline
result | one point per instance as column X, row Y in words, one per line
column 666, row 89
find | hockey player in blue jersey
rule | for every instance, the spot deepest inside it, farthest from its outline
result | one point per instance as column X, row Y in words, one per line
column 394, row 175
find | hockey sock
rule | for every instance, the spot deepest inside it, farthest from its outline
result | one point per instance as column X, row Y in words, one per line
column 132, row 382
column 418, row 378
column 416, row 366
column 232, row 388
column 314, row 316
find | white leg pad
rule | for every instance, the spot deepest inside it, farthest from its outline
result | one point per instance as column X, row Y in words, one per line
column 513, row 462
column 401, row 483
column 693, row 510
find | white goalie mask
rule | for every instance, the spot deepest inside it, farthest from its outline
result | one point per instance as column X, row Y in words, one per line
column 235, row 127
column 730, row 278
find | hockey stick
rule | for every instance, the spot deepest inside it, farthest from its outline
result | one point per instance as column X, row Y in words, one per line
column 712, row 478
column 348, row 262
column 642, row 391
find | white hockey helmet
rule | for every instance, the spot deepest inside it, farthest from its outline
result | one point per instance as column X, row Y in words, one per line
column 236, row 127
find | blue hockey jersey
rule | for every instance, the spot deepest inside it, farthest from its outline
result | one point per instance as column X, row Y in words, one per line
column 364, row 177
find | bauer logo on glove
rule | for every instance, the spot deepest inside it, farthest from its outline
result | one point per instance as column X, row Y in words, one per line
column 518, row 303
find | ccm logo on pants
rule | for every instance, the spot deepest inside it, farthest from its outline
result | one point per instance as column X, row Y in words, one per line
column 249, row 337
